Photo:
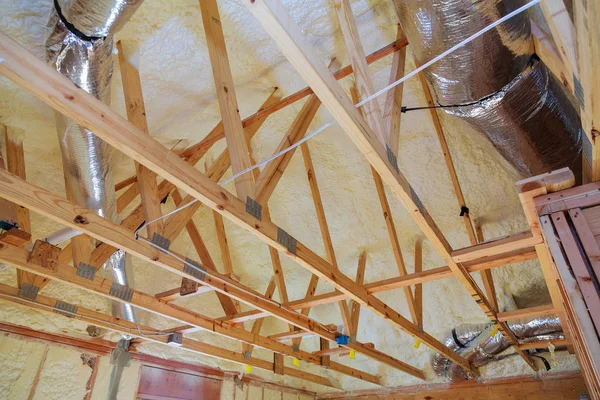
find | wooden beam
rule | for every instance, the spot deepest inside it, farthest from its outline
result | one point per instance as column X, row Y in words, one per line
column 530, row 312
column 47, row 304
column 26, row 70
column 136, row 114
column 272, row 173
column 430, row 275
column 294, row 334
column 587, row 18
column 419, row 287
column 218, row 133
column 360, row 280
column 486, row 275
column 228, row 104
column 364, row 84
column 104, row 288
column 176, row 222
column 227, row 303
column 15, row 163
column 393, row 101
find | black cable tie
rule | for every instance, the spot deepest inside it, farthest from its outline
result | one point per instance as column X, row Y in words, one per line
column 458, row 343
column 464, row 210
column 72, row 27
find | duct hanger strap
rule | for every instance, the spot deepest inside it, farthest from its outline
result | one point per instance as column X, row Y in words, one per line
column 72, row 27
column 458, row 342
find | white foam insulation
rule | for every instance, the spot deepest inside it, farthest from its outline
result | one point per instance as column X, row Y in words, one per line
column 169, row 46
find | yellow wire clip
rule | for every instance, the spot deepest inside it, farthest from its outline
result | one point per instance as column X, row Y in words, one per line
column 296, row 362
column 417, row 343
column 352, row 354
column 494, row 331
column 248, row 368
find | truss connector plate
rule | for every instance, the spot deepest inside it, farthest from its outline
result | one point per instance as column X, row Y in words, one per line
column 175, row 339
column 29, row 291
column 286, row 240
column 161, row 242
column 247, row 355
column 253, row 208
column 392, row 158
column 86, row 271
column 122, row 292
column 66, row 309
column 295, row 347
column 194, row 269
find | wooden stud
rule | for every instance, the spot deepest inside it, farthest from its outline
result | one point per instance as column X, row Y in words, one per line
column 530, row 312
column 393, row 100
column 136, row 114
column 486, row 275
column 278, row 363
column 419, row 287
column 325, row 360
column 371, row 110
column 360, row 280
column 228, row 104
column 272, row 173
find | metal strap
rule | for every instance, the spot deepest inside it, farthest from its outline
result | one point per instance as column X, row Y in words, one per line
column 285, row 239
column 161, row 242
column 253, row 208
column 66, row 309
column 86, row 271
column 175, row 339
column 122, row 292
column 194, row 269
column 392, row 158
column 29, row 291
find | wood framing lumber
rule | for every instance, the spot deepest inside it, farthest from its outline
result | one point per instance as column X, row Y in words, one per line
column 218, row 133
column 227, row 302
column 326, row 237
column 228, row 104
column 392, row 111
column 538, row 311
column 47, row 304
column 486, row 275
column 418, row 292
column 106, row 288
column 176, row 222
column 547, row 52
column 434, row 274
column 276, row 21
column 174, row 294
column 125, row 182
column 362, row 78
column 360, row 280
column 257, row 325
column 115, row 235
column 544, row 344
column 136, row 114
column 273, row 171
column 587, row 18
column 26, row 70
column 480, row 252
column 294, row 334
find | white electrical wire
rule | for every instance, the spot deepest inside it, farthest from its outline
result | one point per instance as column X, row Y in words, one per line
column 360, row 104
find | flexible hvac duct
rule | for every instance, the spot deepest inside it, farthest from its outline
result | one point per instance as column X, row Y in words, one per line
column 521, row 107
column 79, row 44
column 476, row 344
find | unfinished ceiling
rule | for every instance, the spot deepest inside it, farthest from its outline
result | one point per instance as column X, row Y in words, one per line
column 167, row 42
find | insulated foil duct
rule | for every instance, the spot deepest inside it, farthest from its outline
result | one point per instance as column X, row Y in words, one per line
column 518, row 104
column 79, row 44
column 476, row 344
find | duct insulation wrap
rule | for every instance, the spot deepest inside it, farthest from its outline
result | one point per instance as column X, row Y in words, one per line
column 477, row 344
column 513, row 100
column 79, row 45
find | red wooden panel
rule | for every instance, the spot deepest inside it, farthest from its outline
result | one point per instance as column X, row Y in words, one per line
column 158, row 382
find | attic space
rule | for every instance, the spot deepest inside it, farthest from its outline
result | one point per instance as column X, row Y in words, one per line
column 299, row 199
